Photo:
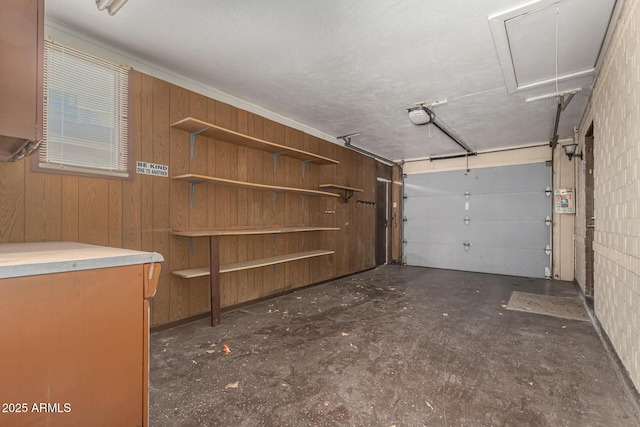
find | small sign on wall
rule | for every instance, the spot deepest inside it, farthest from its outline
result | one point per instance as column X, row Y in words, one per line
column 145, row 168
column 563, row 200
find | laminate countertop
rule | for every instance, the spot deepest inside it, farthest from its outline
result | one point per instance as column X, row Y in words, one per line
column 32, row 259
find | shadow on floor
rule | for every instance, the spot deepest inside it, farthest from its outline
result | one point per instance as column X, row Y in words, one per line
column 404, row 346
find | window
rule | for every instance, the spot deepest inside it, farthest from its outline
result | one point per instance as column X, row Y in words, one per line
column 85, row 113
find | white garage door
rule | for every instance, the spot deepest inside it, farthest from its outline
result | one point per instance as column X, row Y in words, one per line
column 490, row 220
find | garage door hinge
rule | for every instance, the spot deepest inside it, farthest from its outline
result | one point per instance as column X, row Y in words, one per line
column 404, row 196
column 547, row 220
column 547, row 250
column 404, row 241
column 404, row 219
column 548, row 191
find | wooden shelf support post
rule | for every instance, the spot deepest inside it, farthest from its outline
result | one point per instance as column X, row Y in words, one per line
column 214, row 279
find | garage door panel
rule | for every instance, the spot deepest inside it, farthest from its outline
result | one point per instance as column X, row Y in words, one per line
column 506, row 206
column 443, row 183
column 433, row 255
column 450, row 232
column 441, row 232
column 479, row 259
column 507, row 234
column 533, row 177
column 433, row 207
column 494, row 206
column 509, row 206
column 503, row 179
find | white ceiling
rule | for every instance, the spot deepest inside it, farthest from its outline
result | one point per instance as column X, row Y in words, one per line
column 344, row 66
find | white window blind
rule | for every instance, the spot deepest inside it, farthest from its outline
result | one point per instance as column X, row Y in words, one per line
column 85, row 113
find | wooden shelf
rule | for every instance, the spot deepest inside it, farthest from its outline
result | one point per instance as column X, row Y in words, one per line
column 214, row 235
column 213, row 180
column 348, row 191
column 194, row 179
column 199, row 127
column 249, row 231
column 246, row 265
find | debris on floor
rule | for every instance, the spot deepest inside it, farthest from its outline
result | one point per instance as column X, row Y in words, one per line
column 298, row 368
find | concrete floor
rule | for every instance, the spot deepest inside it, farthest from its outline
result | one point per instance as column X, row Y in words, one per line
column 402, row 346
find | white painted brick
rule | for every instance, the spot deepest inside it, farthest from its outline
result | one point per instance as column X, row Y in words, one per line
column 615, row 110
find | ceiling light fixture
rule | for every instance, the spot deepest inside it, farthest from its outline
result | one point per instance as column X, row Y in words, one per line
column 570, row 151
column 112, row 6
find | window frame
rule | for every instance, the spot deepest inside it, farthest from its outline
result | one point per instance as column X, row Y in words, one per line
column 127, row 175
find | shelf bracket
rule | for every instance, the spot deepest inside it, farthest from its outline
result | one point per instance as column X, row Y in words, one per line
column 304, row 165
column 347, row 195
column 192, row 186
column 302, row 266
column 275, row 160
column 275, row 239
column 303, row 196
column 303, row 233
column 192, row 139
column 275, row 197
column 274, row 270
column 191, row 244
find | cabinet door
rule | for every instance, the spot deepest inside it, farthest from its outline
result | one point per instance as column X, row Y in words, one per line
column 72, row 344
column 21, row 44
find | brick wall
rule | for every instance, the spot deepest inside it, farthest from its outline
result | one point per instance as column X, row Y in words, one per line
column 615, row 113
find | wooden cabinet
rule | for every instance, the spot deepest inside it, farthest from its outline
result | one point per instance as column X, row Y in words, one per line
column 75, row 334
column 21, row 98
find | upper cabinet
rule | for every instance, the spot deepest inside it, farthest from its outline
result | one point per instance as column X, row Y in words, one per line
column 21, row 68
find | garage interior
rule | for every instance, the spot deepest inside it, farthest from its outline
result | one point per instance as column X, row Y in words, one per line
column 400, row 213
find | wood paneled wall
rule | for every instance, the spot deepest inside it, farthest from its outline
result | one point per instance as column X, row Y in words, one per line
column 140, row 213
